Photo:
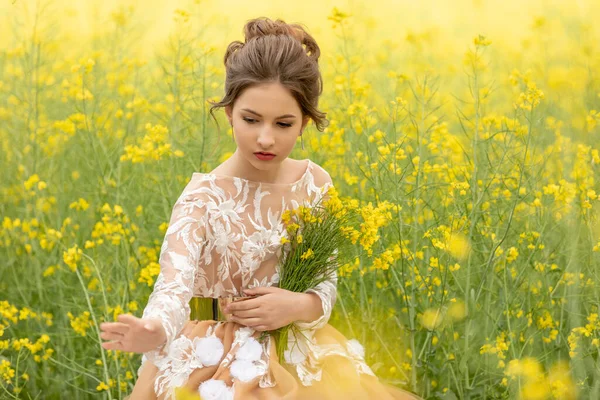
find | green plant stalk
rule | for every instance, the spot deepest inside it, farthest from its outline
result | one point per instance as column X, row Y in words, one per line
column 323, row 238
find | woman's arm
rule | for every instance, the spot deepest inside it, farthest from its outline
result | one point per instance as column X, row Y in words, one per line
column 310, row 308
column 179, row 259
column 167, row 309
column 326, row 295
column 275, row 307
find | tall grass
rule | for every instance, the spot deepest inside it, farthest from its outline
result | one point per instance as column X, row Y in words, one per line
column 480, row 129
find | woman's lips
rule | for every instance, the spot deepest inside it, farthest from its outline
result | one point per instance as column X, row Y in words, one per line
column 264, row 157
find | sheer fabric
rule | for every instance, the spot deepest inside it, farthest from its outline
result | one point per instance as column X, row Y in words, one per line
column 224, row 235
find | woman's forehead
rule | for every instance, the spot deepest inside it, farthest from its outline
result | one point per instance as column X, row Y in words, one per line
column 268, row 100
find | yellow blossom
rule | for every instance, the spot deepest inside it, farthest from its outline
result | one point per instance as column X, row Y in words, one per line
column 431, row 319
column 307, row 254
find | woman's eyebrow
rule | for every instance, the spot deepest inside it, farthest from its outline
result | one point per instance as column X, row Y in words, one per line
column 258, row 115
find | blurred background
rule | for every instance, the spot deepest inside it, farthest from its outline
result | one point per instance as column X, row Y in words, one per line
column 472, row 128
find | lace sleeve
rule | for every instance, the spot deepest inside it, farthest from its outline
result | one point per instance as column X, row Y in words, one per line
column 327, row 292
column 179, row 258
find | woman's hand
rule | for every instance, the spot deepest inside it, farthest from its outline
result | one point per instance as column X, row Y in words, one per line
column 133, row 334
column 273, row 308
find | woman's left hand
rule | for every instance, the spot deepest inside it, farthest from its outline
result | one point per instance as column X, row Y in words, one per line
column 271, row 309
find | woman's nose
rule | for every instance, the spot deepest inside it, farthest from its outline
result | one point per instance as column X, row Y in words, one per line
column 265, row 138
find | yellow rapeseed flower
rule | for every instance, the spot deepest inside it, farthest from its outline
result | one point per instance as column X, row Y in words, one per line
column 307, row 254
column 481, row 40
column 72, row 256
column 337, row 16
column 458, row 246
column 457, row 311
column 285, row 217
column 431, row 319
column 81, row 323
column 293, row 227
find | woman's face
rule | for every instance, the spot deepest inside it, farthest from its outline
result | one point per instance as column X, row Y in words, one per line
column 266, row 118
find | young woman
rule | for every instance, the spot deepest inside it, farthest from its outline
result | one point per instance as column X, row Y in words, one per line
column 224, row 241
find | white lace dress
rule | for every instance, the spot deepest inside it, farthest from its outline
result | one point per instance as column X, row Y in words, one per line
column 224, row 235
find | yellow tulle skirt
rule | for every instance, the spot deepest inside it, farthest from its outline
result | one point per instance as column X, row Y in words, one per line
column 339, row 379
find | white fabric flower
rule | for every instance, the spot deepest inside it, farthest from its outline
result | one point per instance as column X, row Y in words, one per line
column 249, row 351
column 242, row 334
column 175, row 369
column 209, row 350
column 355, row 348
column 245, row 370
column 215, row 389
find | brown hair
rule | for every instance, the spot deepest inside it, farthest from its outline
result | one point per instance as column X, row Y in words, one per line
column 275, row 51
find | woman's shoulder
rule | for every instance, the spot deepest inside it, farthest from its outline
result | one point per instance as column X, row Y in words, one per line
column 320, row 174
column 199, row 186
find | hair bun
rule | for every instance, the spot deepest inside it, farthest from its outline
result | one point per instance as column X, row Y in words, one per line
column 259, row 27
column 264, row 26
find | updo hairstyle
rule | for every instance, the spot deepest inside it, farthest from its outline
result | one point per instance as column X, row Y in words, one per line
column 275, row 51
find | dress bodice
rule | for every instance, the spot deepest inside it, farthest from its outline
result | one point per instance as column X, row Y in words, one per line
column 238, row 228
column 225, row 235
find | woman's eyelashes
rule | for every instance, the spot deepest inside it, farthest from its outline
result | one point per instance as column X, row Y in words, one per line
column 281, row 124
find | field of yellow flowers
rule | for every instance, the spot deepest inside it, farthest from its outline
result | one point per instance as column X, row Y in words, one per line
column 471, row 127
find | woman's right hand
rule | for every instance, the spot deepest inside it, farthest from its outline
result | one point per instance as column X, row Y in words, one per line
column 133, row 334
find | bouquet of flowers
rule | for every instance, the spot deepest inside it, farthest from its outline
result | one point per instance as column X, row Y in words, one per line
column 320, row 239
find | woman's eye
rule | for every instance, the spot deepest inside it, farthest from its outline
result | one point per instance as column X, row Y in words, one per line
column 281, row 124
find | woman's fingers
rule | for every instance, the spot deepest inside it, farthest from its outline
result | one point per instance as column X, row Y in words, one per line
column 130, row 334
column 243, row 305
column 115, row 345
column 253, row 313
column 111, row 336
column 116, row 331
column 127, row 319
column 250, row 322
column 117, row 327
column 126, row 322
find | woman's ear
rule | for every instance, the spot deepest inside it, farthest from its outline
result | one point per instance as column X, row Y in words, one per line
column 229, row 113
